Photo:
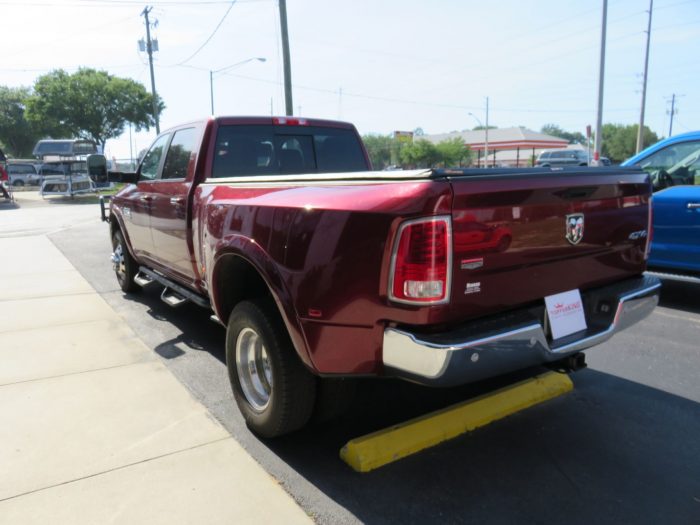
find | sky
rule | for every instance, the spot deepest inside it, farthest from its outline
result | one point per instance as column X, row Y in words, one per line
column 383, row 65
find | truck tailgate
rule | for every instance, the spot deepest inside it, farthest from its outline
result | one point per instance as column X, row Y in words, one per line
column 519, row 237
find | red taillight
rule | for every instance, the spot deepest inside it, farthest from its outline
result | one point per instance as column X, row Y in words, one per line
column 650, row 230
column 288, row 121
column 422, row 262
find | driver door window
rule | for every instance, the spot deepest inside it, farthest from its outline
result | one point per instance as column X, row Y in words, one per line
column 151, row 161
column 675, row 165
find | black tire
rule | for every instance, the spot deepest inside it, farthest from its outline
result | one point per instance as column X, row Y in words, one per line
column 288, row 395
column 128, row 268
column 18, row 183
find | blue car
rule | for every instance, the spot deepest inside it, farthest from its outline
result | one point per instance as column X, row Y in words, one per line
column 674, row 167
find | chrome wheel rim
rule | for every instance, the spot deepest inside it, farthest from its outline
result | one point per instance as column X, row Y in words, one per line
column 254, row 370
column 118, row 262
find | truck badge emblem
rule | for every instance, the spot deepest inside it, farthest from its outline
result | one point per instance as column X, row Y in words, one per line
column 472, row 288
column 574, row 228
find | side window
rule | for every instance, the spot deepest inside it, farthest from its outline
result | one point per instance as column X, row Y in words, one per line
column 557, row 155
column 675, row 165
column 151, row 160
column 21, row 169
column 180, row 154
column 242, row 150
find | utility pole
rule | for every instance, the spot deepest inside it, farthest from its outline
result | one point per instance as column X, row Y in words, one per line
column 640, row 131
column 149, row 49
column 601, row 82
column 486, row 136
column 287, row 62
column 673, row 111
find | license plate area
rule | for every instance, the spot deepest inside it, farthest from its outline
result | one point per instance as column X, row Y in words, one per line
column 564, row 314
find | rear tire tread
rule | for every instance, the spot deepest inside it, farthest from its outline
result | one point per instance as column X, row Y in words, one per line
column 294, row 387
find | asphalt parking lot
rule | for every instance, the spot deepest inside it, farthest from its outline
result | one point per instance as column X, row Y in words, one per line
column 622, row 447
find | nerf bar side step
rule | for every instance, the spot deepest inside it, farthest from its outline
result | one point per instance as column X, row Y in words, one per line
column 142, row 279
column 174, row 294
column 172, row 298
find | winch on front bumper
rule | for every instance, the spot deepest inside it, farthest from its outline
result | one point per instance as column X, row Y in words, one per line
column 500, row 344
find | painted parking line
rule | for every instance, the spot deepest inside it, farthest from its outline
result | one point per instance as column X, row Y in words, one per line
column 374, row 450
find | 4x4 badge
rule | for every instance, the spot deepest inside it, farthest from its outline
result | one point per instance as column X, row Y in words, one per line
column 574, row 228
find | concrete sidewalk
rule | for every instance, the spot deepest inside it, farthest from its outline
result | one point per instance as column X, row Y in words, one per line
column 93, row 427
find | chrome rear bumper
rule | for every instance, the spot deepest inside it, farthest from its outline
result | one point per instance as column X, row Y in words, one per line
column 498, row 345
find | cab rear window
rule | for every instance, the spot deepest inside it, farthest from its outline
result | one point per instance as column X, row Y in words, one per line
column 278, row 150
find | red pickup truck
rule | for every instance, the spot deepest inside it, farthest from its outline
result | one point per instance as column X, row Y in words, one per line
column 322, row 269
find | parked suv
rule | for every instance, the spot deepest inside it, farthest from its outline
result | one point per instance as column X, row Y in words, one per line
column 23, row 174
column 563, row 157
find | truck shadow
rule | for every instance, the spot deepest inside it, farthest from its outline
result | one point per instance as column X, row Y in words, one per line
column 190, row 320
column 611, row 451
column 8, row 205
column 680, row 296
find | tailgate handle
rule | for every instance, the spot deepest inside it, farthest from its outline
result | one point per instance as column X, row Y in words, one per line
column 694, row 205
column 577, row 193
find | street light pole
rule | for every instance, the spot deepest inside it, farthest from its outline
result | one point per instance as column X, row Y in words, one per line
column 211, row 90
column 211, row 76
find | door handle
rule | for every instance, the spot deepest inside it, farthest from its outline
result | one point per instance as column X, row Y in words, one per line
column 146, row 198
column 694, row 205
column 177, row 200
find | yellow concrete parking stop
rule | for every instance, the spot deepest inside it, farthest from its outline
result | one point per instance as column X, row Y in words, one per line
column 374, row 450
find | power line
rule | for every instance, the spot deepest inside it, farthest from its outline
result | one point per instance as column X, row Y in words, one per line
column 43, row 45
column 676, row 4
column 210, row 36
column 122, row 3
column 72, row 68
column 422, row 103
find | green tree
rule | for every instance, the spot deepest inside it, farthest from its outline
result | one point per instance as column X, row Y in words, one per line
column 620, row 141
column 16, row 133
column 421, row 154
column 379, row 148
column 453, row 152
column 89, row 104
column 556, row 131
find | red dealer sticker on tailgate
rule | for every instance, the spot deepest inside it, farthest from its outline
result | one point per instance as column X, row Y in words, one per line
column 565, row 312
